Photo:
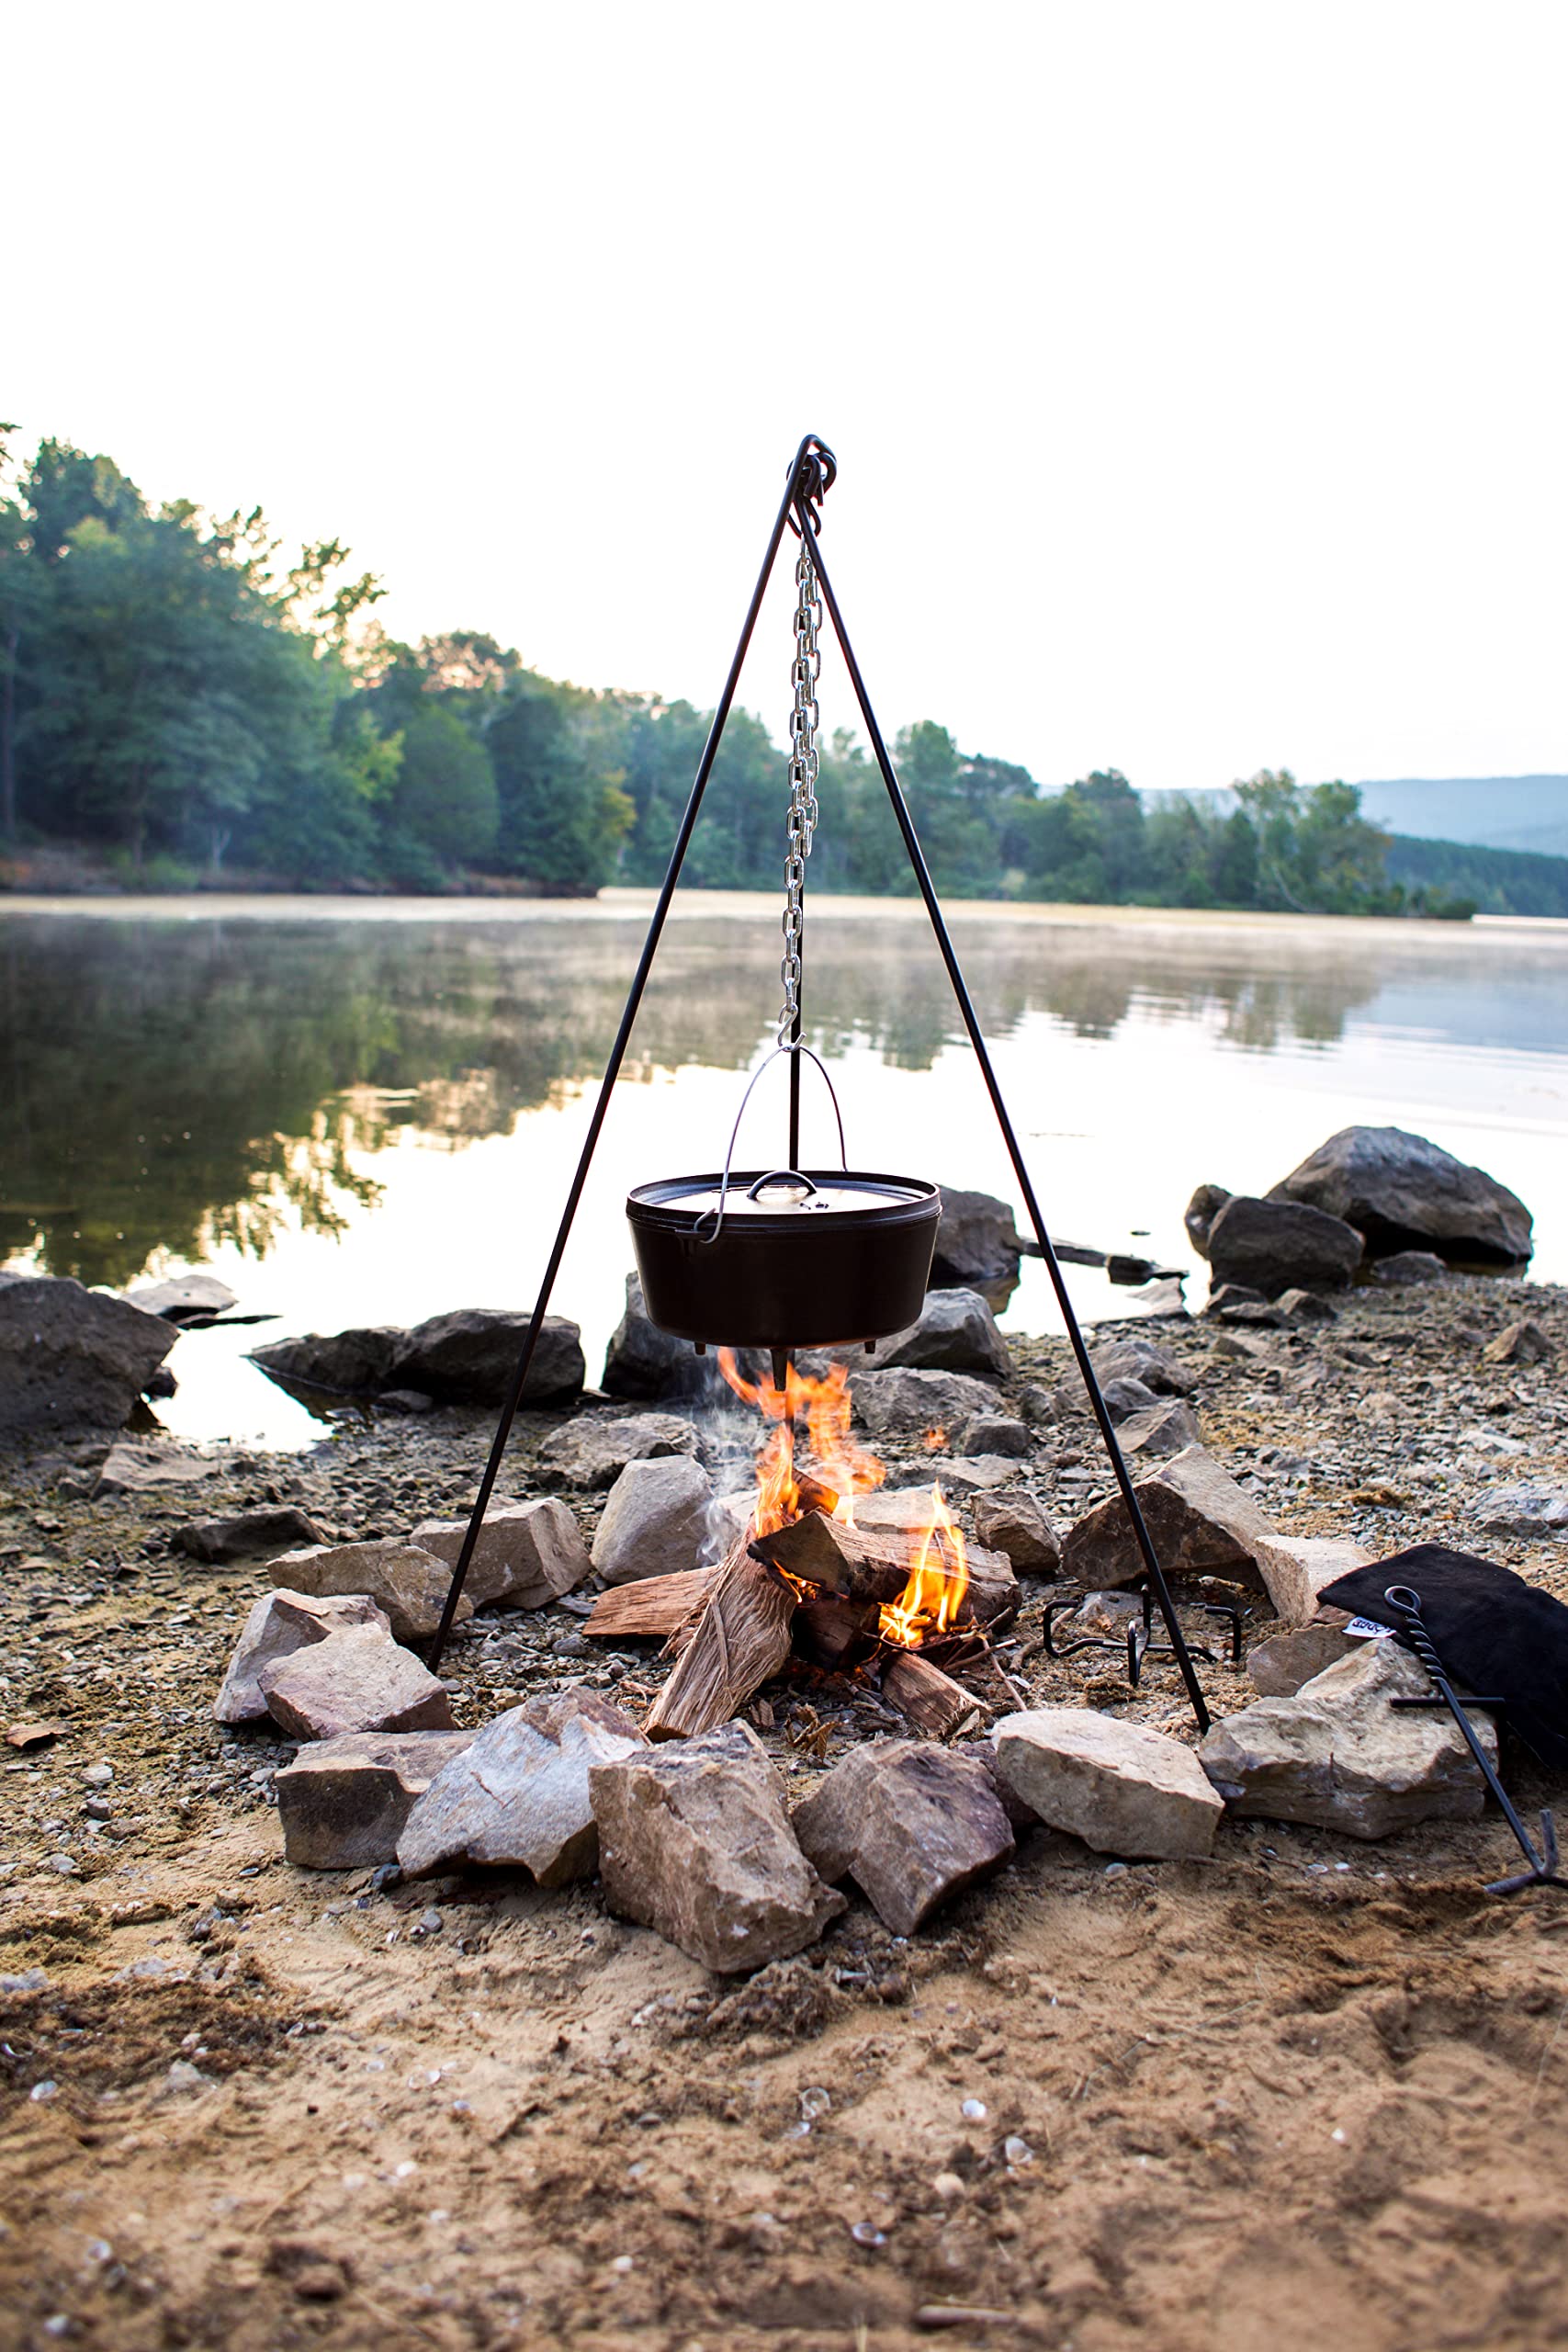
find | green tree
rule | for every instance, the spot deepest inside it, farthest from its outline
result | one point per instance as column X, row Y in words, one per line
column 444, row 802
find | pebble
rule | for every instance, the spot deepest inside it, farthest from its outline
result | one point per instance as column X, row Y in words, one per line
column 948, row 2187
column 1017, row 2151
column 867, row 2233
column 973, row 2110
column 98, row 1776
column 41, row 2091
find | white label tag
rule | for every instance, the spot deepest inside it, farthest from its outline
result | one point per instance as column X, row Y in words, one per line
column 1367, row 1629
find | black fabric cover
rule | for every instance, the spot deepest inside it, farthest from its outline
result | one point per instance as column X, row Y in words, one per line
column 1495, row 1634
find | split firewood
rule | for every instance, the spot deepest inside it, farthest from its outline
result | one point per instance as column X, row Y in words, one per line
column 864, row 1566
column 651, row 1609
column 831, row 1632
column 933, row 1702
column 742, row 1638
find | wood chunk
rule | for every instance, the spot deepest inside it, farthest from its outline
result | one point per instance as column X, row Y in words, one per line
column 653, row 1609
column 742, row 1638
column 833, row 1630
column 862, row 1565
column 933, row 1702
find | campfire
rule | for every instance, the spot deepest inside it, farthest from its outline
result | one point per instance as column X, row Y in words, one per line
column 828, row 1571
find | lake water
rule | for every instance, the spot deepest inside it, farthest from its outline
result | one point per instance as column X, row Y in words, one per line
column 369, row 1112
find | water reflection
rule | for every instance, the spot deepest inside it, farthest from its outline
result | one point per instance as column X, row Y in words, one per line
column 172, row 1086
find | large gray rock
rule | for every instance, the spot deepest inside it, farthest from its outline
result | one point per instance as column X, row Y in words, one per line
column 527, row 1554
column 1010, row 1521
column 996, row 1437
column 1279, row 1245
column 655, row 1520
column 976, row 1241
column 1339, row 1755
column 352, row 1363
column 905, row 1402
column 183, row 1298
column 1199, row 1521
column 1522, row 1343
column 696, row 1843
column 1199, row 1215
column 280, row 1624
column 1532, row 1508
column 344, row 1803
column 1121, row 1787
column 408, row 1582
column 470, row 1357
column 354, row 1681
column 643, row 1361
column 248, row 1536
column 911, row 1824
column 1409, row 1267
column 1142, row 1360
column 1405, row 1192
column 1278, row 1668
column 71, row 1359
column 956, row 1332
column 518, row 1794
column 592, row 1450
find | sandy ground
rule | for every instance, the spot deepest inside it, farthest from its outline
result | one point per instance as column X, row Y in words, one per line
column 1307, row 2094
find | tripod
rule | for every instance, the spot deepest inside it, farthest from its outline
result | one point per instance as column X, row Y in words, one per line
column 811, row 475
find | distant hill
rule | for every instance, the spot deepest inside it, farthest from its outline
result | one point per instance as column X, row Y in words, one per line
column 1513, row 812
column 1496, row 881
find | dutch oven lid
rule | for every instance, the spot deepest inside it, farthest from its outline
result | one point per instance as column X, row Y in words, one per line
column 790, row 1194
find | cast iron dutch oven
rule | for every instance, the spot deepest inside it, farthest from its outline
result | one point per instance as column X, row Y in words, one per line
column 785, row 1259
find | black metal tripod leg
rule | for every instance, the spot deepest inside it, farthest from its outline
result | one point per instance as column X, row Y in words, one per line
column 976, row 1038
column 612, row 1068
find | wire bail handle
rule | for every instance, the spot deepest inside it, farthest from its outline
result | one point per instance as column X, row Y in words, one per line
column 717, row 1214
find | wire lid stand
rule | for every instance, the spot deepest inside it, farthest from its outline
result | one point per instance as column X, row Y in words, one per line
column 811, row 475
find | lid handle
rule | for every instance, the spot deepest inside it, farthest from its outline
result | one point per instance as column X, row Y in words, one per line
column 779, row 1176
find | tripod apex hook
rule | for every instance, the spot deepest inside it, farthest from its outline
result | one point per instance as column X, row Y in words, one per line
column 812, row 474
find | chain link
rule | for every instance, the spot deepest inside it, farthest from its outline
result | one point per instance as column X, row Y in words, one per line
column 804, row 671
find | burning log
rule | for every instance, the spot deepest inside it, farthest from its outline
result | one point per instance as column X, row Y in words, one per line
column 833, row 1632
column 933, row 1702
column 864, row 1566
column 650, row 1609
column 742, row 1638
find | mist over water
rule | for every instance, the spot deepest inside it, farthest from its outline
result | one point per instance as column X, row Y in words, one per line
column 362, row 1114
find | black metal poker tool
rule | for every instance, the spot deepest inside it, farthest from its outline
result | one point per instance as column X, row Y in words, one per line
column 811, row 475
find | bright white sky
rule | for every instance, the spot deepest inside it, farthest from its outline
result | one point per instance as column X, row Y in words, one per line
column 1197, row 372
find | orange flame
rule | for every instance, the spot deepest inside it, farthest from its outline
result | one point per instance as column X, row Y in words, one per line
column 939, row 1579
column 844, row 1465
column 935, row 1440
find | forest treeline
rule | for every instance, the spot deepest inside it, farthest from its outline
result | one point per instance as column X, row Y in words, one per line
column 182, row 704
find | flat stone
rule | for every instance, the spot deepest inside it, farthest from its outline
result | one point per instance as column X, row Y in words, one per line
column 470, row 1357
column 1121, row 1787
column 409, row 1583
column 960, row 1474
column 1338, row 1756
column 913, row 1824
column 1159, row 1430
column 694, row 1842
column 904, row 1402
column 344, row 1803
column 1008, row 1519
column 993, row 1433
column 654, row 1521
column 1132, row 1359
column 1223, row 1294
column 956, row 1332
column 280, row 1624
column 976, row 1241
column 518, row 1794
column 1405, row 1192
column 1274, row 1244
column 1531, row 1507
column 354, row 1681
column 71, row 1359
column 1199, row 1215
column 592, row 1450
column 1409, row 1267
column 1278, row 1668
column 182, row 1297
column 527, row 1554
column 1199, row 1521
column 1306, row 1307
column 129, row 1468
column 1296, row 1568
column 1522, row 1343
column 249, row 1536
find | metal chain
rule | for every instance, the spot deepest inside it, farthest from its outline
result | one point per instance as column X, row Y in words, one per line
column 804, row 671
